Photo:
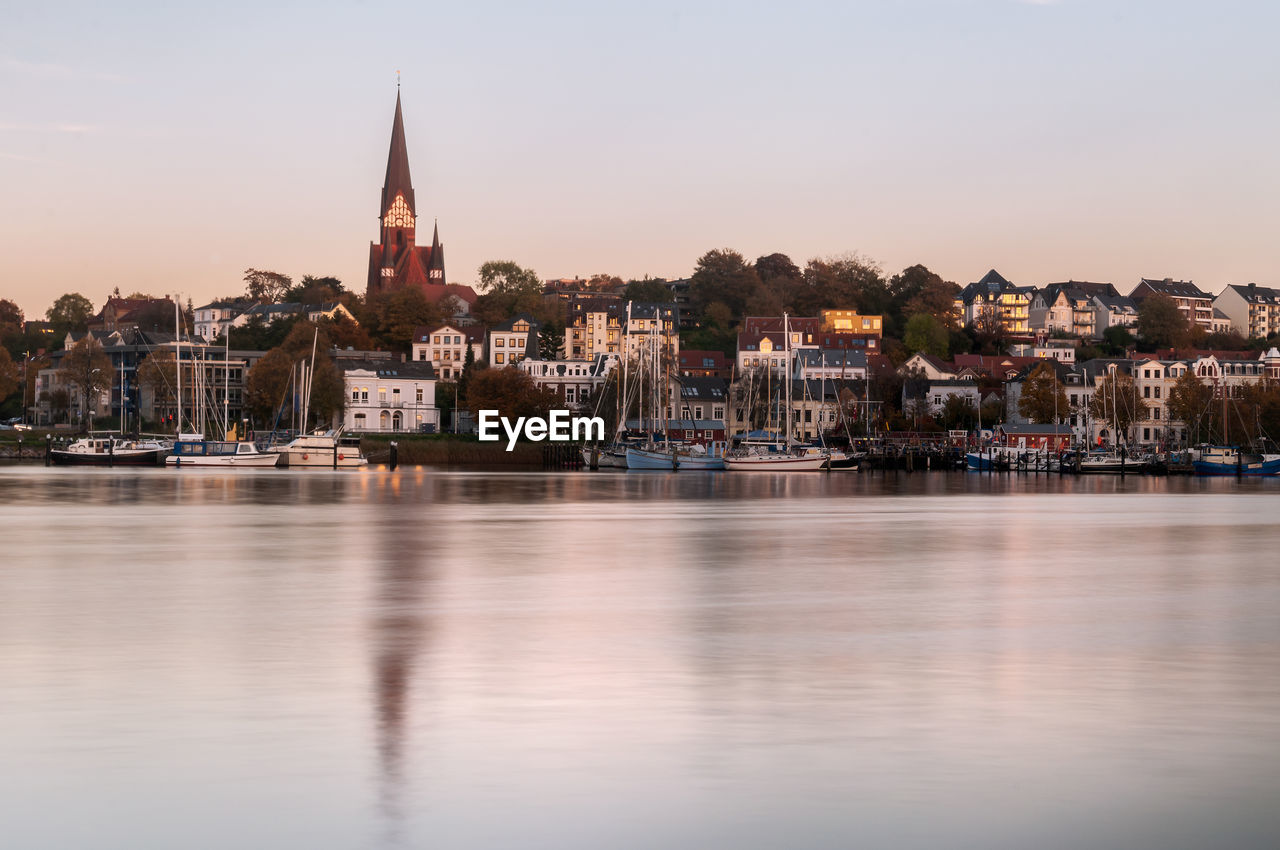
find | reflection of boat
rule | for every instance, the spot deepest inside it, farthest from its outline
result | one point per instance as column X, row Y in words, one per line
column 325, row 449
column 1230, row 460
column 225, row 454
column 111, row 451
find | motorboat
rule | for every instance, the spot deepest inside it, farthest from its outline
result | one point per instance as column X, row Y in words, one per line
column 1231, row 460
column 322, row 449
column 193, row 450
column 111, row 450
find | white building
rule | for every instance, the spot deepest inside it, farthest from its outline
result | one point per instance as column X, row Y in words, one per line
column 513, row 341
column 389, row 396
column 574, row 381
column 1254, row 311
column 445, row 347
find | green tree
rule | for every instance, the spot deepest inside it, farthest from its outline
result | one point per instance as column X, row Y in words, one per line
column 267, row 389
column 392, row 317
column 315, row 290
column 506, row 290
column 87, row 367
column 1161, row 324
column 11, row 321
column 1043, row 400
column 71, row 312
column 917, row 290
column 925, row 333
column 550, row 340
column 1116, row 341
column 958, row 412
column 510, row 391
column 1115, row 403
column 722, row 275
column 464, row 379
column 647, row 291
column 266, row 287
column 1191, row 403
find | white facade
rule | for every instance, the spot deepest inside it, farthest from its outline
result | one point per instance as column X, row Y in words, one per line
column 390, row 397
column 445, row 348
column 507, row 346
column 212, row 320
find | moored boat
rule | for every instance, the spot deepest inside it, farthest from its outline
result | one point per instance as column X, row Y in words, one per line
column 1230, row 460
column 321, row 449
column 223, row 454
column 107, row 450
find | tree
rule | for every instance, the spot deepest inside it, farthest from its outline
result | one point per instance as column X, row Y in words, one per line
column 266, row 287
column 846, row 282
column 647, row 291
column 315, row 290
column 507, row 289
column 344, row 333
column 1116, row 341
column 393, row 316
column 1191, row 403
column 1043, row 400
column 1115, row 403
column 11, row 321
column 722, row 275
column 71, row 312
column 8, row 374
column 917, row 290
column 958, row 412
column 550, row 341
column 925, row 333
column 88, row 368
column 510, row 391
column 464, row 379
column 267, row 390
column 1161, row 324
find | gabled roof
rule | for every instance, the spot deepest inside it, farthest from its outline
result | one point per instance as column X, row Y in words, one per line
column 1254, row 294
column 1173, row 288
column 774, row 324
column 693, row 358
column 994, row 278
column 472, row 333
column 509, row 325
column 1122, row 303
column 695, row 388
column 412, row 369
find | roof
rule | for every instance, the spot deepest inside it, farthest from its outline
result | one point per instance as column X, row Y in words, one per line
column 509, row 325
column 1122, row 303
column 1254, row 294
column 420, row 369
column 472, row 333
column 397, row 180
column 694, row 358
column 702, row 388
column 774, row 324
column 994, row 278
column 832, row 358
column 1172, row 288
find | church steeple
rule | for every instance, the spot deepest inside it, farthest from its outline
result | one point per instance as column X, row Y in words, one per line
column 397, row 181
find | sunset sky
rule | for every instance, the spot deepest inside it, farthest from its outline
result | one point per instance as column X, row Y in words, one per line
column 168, row 147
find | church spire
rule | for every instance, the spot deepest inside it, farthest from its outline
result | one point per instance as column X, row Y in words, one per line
column 398, row 181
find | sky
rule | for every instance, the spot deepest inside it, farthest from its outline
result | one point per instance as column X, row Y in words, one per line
column 167, row 147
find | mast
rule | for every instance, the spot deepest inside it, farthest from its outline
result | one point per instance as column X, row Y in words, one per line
column 226, row 386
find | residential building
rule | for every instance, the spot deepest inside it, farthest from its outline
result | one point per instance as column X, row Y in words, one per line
column 148, row 314
column 446, row 346
column 851, row 322
column 1067, row 308
column 700, row 399
column 213, row 319
column 389, row 395
column 696, row 363
column 593, row 326
column 1254, row 311
column 933, row 368
column 826, row 364
column 575, row 382
column 766, row 342
column 1111, row 311
column 1195, row 305
column 995, row 299
column 645, row 323
column 513, row 341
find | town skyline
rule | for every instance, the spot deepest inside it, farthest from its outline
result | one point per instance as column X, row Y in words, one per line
column 1017, row 139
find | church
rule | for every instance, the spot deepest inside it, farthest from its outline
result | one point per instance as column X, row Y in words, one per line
column 396, row 260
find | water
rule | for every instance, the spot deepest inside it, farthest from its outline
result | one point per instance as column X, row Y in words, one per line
column 579, row 660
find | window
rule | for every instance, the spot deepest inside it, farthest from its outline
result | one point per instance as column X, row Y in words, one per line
column 717, row 413
column 437, row 339
column 1157, row 392
column 1155, row 413
column 422, row 354
column 359, row 420
column 499, row 357
column 382, row 395
column 364, row 394
column 499, row 342
column 1146, row 392
column 355, row 394
column 418, row 395
column 568, row 394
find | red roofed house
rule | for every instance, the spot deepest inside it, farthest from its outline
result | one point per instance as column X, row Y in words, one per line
column 396, row 260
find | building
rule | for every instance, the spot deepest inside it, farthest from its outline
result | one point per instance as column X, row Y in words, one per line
column 699, row 399
column 593, row 326
column 1195, row 305
column 212, row 320
column 445, row 347
column 648, row 324
column 513, row 341
column 396, row 260
column 574, row 382
column 1112, row 311
column 1067, row 308
column 995, row 300
column 148, row 314
column 696, row 363
column 827, row 364
column 851, row 322
column 389, row 395
column 1254, row 311
column 766, row 342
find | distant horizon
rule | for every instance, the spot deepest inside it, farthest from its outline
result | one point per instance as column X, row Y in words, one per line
column 1048, row 140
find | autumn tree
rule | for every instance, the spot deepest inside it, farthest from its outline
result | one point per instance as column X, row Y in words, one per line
column 1161, row 324
column 848, row 282
column 1043, row 400
column 391, row 317
column 1191, row 403
column 315, row 290
column 267, row 383
column 8, row 374
column 722, row 276
column 266, row 287
column 159, row 373
column 917, row 290
column 1115, row 403
column 71, row 312
column 959, row 412
column 925, row 333
column 11, row 321
column 510, row 391
column 87, row 368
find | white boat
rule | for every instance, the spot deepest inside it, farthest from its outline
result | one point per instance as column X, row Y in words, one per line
column 222, row 454
column 606, row 457
column 777, row 462
column 322, row 449
column 690, row 458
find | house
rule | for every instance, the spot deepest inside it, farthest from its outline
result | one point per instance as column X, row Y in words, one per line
column 593, row 326
column 1252, row 310
column 766, row 342
column 331, row 310
column 389, row 395
column 700, row 399
column 267, row 313
column 997, row 367
column 1048, row 437
column 513, row 341
column 1111, row 311
column 1067, row 307
column 934, row 368
column 120, row 314
column 937, row 393
column 213, row 319
column 446, row 346
column 696, row 363
column 1194, row 304
column 995, row 299
column 835, row 365
column 575, row 382
column 1013, row 388
column 851, row 322
column 645, row 324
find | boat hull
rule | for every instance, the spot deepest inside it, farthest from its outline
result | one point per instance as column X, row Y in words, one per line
column 778, row 463
column 650, row 459
column 248, row 461
column 149, row 457
column 1270, row 467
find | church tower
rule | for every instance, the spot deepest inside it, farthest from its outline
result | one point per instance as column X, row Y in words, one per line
column 395, row 260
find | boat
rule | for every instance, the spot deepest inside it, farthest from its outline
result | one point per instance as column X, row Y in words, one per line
column 322, row 449
column 1231, row 460
column 108, row 450
column 691, row 458
column 780, row 461
column 193, row 450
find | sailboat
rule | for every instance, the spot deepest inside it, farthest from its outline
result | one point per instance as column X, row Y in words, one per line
column 780, row 458
column 322, row 448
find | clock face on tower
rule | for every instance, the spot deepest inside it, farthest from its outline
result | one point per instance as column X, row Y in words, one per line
column 398, row 215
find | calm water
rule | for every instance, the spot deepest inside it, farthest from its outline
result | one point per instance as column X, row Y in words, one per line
column 425, row 659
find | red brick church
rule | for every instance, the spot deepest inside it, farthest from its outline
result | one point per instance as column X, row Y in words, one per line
column 396, row 260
